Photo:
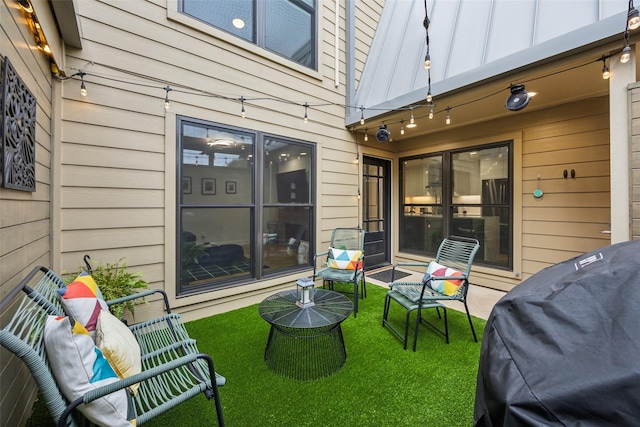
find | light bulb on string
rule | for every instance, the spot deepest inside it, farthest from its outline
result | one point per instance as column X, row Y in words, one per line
column 448, row 119
column 167, row 103
column 605, row 72
column 412, row 120
column 401, row 127
column 427, row 61
column 306, row 119
column 429, row 97
column 431, row 112
column 242, row 112
column 366, row 135
column 361, row 115
column 83, row 88
column 633, row 17
column 626, row 54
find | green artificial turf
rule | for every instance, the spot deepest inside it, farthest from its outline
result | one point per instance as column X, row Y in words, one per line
column 380, row 384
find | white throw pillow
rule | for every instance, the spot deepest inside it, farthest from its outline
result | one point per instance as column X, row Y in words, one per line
column 119, row 346
column 79, row 367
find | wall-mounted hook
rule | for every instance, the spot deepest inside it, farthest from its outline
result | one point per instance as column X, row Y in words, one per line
column 573, row 173
column 565, row 174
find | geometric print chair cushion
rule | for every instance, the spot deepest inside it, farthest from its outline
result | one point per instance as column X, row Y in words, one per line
column 83, row 300
column 448, row 286
column 343, row 259
column 119, row 346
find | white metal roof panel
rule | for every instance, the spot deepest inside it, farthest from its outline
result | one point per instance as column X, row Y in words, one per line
column 470, row 40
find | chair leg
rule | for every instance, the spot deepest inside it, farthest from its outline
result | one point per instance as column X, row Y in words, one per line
column 355, row 299
column 473, row 331
column 415, row 334
column 406, row 330
column 385, row 311
column 364, row 286
column 446, row 324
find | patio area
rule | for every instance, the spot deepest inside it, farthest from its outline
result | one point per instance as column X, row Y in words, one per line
column 375, row 386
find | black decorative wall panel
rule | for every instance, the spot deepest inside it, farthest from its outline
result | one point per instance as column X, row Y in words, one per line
column 18, row 132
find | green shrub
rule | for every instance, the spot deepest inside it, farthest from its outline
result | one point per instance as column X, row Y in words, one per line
column 114, row 281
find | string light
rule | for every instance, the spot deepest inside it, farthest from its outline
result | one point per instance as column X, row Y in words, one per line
column 448, row 119
column 401, row 127
column 429, row 97
column 412, row 120
column 242, row 112
column 83, row 88
column 167, row 103
column 306, row 119
column 427, row 61
column 626, row 54
column 199, row 92
column 366, row 135
column 633, row 17
column 605, row 71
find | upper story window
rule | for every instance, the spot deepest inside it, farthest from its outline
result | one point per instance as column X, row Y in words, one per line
column 286, row 27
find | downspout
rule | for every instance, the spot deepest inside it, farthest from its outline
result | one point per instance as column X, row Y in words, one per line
column 337, row 46
column 350, row 34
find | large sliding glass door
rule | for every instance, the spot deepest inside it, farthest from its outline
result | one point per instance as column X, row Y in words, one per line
column 464, row 192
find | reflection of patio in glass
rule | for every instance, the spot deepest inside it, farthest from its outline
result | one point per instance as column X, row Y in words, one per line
column 199, row 272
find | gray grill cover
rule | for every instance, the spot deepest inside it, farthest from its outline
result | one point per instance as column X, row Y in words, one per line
column 563, row 347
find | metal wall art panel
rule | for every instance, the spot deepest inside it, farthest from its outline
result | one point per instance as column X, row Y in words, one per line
column 18, row 132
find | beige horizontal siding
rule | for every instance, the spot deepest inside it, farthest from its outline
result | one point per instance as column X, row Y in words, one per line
column 25, row 217
column 572, row 214
column 634, row 96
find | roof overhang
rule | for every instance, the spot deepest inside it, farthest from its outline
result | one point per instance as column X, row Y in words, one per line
column 561, row 53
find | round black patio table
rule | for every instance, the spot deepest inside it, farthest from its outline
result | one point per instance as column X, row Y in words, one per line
column 305, row 343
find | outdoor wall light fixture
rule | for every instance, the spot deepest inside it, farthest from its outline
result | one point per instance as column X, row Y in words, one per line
column 383, row 134
column 518, row 99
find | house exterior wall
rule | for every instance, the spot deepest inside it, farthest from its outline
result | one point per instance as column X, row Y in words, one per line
column 573, row 213
column 25, row 227
column 117, row 195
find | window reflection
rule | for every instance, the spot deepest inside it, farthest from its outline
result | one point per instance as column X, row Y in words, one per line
column 212, row 252
column 287, row 193
column 233, row 223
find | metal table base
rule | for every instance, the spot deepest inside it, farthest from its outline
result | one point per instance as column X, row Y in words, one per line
column 305, row 343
